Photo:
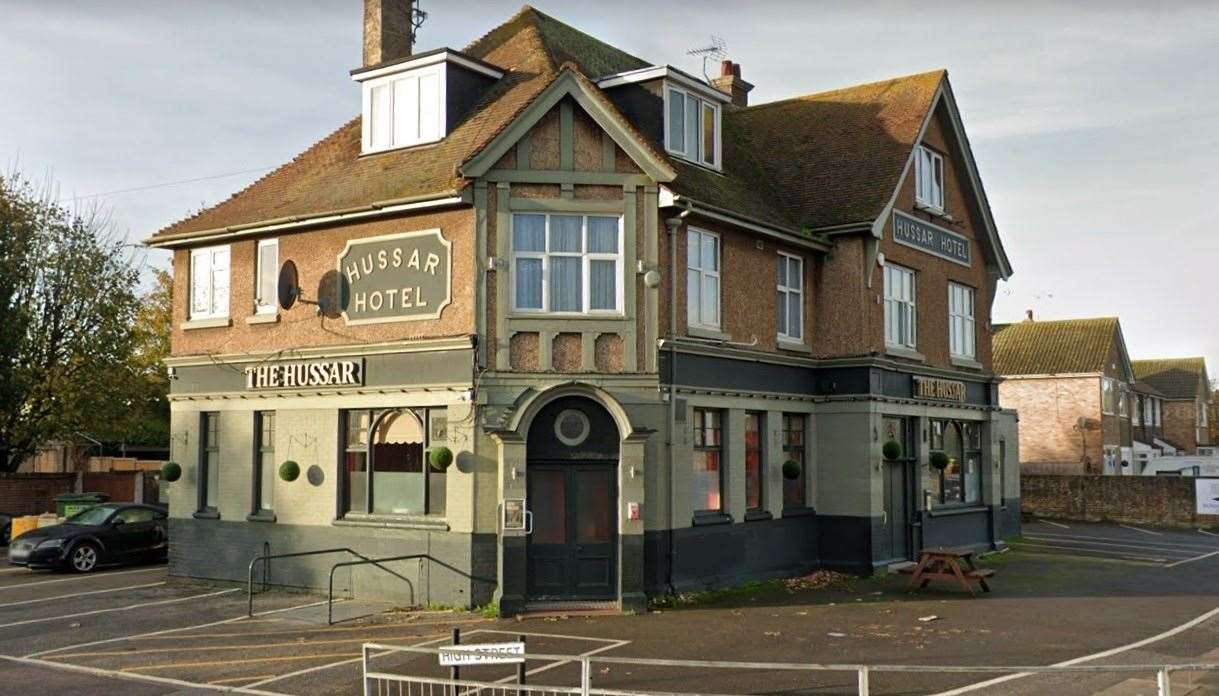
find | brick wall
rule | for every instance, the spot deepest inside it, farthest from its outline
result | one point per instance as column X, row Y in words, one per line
column 1160, row 500
column 1049, row 410
column 33, row 494
column 1181, row 425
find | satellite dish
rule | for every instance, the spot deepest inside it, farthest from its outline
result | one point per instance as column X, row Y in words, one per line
column 289, row 286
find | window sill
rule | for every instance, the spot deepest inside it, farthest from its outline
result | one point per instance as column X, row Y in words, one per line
column 518, row 315
column 431, row 524
column 904, row 352
column 263, row 318
column 758, row 516
column 967, row 363
column 796, row 346
column 707, row 332
column 217, row 323
column 933, row 210
column 261, row 516
column 949, row 511
column 707, row 519
column 207, row 514
column 799, row 512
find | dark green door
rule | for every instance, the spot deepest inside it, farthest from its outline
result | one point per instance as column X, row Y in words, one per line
column 572, row 547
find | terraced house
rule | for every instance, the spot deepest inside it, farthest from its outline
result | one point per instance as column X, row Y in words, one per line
column 579, row 327
column 1186, row 401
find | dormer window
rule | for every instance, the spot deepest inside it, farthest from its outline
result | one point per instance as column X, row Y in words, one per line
column 419, row 99
column 692, row 126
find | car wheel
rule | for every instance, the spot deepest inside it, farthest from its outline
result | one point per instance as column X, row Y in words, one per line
column 83, row 558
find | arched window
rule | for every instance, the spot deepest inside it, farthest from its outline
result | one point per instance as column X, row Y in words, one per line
column 959, row 483
column 392, row 445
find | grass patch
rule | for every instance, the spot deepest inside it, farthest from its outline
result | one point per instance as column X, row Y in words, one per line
column 489, row 610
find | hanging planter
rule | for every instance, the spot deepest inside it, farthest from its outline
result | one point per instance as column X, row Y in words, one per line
column 439, row 458
column 939, row 460
column 171, row 471
column 289, row 471
column 892, row 450
column 791, row 470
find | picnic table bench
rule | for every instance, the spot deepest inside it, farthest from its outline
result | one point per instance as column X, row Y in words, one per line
column 942, row 563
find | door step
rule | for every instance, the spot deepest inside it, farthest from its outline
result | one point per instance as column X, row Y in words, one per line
column 902, row 567
column 535, row 610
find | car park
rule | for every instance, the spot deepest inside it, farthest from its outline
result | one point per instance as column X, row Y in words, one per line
column 107, row 534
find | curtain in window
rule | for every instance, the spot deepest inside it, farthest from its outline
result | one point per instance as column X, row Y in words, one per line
column 398, row 475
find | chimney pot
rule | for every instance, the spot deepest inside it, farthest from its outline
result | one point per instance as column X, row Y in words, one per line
column 1028, row 315
column 726, row 68
column 389, row 30
column 730, row 83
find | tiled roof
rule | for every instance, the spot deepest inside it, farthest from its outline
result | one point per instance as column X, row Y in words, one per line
column 1142, row 387
column 812, row 161
column 1068, row 346
column 1177, row 378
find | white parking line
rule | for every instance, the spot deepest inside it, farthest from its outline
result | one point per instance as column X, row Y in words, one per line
column 1055, row 524
column 129, row 607
column 95, row 576
column 340, row 663
column 1195, row 546
column 1129, row 556
column 1203, row 531
column 95, row 671
column 164, row 631
column 1137, row 529
column 80, row 594
column 1088, row 658
column 1191, row 560
column 1135, row 545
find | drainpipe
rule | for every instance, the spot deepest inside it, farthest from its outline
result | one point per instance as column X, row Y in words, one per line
column 672, row 224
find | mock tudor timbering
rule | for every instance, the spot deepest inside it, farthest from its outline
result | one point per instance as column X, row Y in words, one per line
column 677, row 332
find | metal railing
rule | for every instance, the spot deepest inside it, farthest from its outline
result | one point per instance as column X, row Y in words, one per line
column 380, row 682
column 266, row 557
column 390, row 559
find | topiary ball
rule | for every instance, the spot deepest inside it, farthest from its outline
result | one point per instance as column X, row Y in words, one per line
column 440, row 458
column 791, row 470
column 171, row 471
column 289, row 471
column 892, row 450
column 938, row 460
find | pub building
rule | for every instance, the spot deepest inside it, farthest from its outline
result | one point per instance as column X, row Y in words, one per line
column 580, row 328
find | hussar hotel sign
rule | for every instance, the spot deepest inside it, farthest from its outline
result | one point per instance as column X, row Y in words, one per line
column 396, row 277
column 930, row 238
column 321, row 373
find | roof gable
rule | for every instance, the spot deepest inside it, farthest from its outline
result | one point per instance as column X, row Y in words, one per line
column 1069, row 346
column 1176, row 378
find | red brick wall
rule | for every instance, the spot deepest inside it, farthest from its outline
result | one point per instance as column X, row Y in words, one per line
column 1049, row 410
column 1181, row 424
column 1160, row 500
column 33, row 494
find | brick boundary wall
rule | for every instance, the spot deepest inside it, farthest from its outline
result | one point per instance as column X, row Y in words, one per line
column 33, row 494
column 1167, row 501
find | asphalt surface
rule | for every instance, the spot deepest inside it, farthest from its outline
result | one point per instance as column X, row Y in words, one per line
column 1066, row 591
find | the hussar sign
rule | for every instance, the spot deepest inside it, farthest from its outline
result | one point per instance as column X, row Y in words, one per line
column 331, row 373
column 396, row 277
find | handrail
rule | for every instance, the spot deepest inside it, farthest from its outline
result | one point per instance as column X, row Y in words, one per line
column 377, row 563
column 264, row 558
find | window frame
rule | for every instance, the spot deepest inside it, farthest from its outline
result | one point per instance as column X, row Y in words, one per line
column 717, row 273
column 962, row 323
column 209, row 444
column 909, row 306
column 586, row 260
column 699, row 423
column 1108, row 396
column 376, row 415
column 215, row 310
column 759, row 450
column 698, row 156
column 923, row 156
column 261, row 448
column 370, row 126
column 264, row 305
column 788, row 447
column 786, row 290
column 936, row 444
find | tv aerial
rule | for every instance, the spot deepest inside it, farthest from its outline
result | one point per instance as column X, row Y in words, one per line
column 716, row 49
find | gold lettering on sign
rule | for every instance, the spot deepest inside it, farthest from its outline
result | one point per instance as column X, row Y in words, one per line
column 941, row 389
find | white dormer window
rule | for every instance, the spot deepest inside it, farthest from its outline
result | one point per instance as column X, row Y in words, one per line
column 929, row 178
column 692, row 126
column 404, row 109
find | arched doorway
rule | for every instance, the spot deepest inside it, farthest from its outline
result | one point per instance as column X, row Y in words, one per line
column 572, row 462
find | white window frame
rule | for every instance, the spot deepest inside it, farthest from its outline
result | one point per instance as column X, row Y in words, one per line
column 908, row 305
column 717, row 273
column 786, row 289
column 962, row 324
column 1123, row 400
column 586, row 278
column 927, row 191
column 207, row 260
column 696, row 156
column 1108, row 396
column 265, row 305
column 396, row 140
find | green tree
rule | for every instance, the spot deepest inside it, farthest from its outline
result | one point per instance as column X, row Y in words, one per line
column 68, row 305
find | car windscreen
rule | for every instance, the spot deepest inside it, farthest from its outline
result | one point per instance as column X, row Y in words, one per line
column 93, row 516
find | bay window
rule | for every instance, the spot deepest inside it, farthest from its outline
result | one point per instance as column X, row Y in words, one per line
column 703, row 278
column 961, row 327
column 209, row 283
column 790, row 297
column 569, row 264
column 900, row 313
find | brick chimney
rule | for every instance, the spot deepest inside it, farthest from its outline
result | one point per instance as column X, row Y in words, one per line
column 729, row 82
column 388, row 30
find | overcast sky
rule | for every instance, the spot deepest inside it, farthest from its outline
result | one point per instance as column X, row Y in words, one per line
column 1095, row 125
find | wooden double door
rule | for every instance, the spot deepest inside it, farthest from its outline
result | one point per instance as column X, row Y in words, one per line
column 572, row 545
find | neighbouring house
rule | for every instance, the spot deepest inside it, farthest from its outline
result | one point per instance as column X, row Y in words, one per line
column 1186, row 401
column 584, row 328
column 1147, row 423
column 1070, row 380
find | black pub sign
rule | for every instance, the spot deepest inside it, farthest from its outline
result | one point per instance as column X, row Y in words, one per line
column 932, row 239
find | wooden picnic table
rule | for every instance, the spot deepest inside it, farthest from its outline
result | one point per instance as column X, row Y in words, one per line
column 944, row 563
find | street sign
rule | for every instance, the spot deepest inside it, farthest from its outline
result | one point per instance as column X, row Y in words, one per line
column 482, row 654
